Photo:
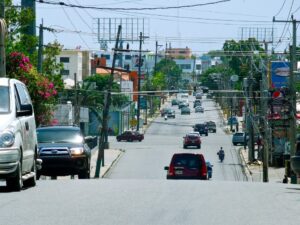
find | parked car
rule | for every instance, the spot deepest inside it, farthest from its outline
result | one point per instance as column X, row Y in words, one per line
column 130, row 136
column 192, row 139
column 18, row 142
column 199, row 109
column 64, row 152
column 201, row 128
column 187, row 166
column 174, row 102
column 185, row 110
column 171, row 114
column 205, row 89
column 209, row 167
column 239, row 138
column 211, row 125
column 232, row 120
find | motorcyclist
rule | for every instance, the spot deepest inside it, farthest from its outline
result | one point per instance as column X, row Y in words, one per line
column 166, row 117
column 221, row 154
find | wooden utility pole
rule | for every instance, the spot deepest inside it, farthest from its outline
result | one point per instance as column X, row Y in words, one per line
column 105, row 117
column 41, row 48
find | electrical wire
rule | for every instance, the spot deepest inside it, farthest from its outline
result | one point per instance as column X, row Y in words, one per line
column 143, row 8
column 75, row 27
column 280, row 8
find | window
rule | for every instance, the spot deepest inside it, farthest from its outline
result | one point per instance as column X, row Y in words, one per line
column 23, row 94
column 65, row 72
column 185, row 66
column 198, row 67
column 105, row 56
column 64, row 59
column 4, row 103
column 127, row 57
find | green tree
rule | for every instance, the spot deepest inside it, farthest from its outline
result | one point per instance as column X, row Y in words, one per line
column 171, row 72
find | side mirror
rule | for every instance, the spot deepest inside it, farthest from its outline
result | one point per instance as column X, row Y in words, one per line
column 166, row 168
column 25, row 110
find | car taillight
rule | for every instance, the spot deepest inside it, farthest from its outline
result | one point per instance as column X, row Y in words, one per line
column 171, row 170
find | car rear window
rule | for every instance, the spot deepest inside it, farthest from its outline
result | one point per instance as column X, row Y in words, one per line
column 188, row 161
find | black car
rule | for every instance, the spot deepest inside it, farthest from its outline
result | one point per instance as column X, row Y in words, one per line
column 64, row 152
column 201, row 128
column 130, row 136
column 185, row 111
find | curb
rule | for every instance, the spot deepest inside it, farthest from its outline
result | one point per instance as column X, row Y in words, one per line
column 247, row 170
column 113, row 162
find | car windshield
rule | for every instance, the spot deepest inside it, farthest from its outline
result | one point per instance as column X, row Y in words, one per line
column 59, row 136
column 4, row 103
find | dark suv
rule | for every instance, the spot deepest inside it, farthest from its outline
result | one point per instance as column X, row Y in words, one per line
column 63, row 151
column 187, row 166
column 211, row 125
column 201, row 128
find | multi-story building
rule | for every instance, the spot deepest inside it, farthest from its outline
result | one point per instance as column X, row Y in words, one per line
column 179, row 53
column 74, row 62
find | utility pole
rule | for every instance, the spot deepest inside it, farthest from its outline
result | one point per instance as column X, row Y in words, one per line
column 77, row 108
column 41, row 48
column 265, row 128
column 155, row 59
column 2, row 9
column 250, row 120
column 293, row 68
column 2, row 48
column 105, row 117
column 139, row 80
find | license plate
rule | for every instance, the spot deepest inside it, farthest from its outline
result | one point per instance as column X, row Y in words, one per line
column 178, row 172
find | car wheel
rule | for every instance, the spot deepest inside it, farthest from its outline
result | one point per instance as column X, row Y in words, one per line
column 199, row 146
column 31, row 182
column 206, row 134
column 15, row 183
column 184, row 146
column 118, row 140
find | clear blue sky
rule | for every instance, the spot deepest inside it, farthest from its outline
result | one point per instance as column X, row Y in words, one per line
column 201, row 28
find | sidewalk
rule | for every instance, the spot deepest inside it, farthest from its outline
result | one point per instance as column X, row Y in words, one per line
column 111, row 156
column 254, row 171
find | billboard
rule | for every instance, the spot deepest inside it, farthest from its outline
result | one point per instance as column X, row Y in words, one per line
column 280, row 72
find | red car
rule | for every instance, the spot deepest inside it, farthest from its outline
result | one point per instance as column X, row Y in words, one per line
column 192, row 139
column 130, row 136
column 187, row 166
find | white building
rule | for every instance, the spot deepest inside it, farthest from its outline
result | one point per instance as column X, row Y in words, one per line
column 74, row 62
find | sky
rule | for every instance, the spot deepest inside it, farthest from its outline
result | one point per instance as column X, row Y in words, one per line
column 202, row 28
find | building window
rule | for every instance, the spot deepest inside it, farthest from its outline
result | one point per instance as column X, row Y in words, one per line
column 105, row 56
column 127, row 57
column 65, row 72
column 198, row 66
column 64, row 59
column 185, row 66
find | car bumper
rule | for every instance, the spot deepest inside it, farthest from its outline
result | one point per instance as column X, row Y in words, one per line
column 9, row 159
column 186, row 177
column 60, row 166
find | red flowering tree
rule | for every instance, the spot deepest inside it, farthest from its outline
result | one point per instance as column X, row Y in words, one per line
column 42, row 90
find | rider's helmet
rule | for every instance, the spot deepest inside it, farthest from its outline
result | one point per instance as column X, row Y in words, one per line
column 221, row 148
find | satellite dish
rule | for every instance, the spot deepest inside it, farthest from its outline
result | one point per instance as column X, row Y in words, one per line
column 234, row 78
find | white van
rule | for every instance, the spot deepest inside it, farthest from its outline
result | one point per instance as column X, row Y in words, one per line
column 18, row 141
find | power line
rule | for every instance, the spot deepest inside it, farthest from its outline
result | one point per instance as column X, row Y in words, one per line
column 143, row 8
column 280, row 8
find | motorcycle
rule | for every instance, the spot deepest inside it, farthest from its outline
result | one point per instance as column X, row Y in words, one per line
column 221, row 155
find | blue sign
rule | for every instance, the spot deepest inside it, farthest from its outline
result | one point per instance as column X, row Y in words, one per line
column 143, row 103
column 280, row 72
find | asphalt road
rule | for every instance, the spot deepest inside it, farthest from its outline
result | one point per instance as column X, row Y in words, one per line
column 137, row 192
column 146, row 159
